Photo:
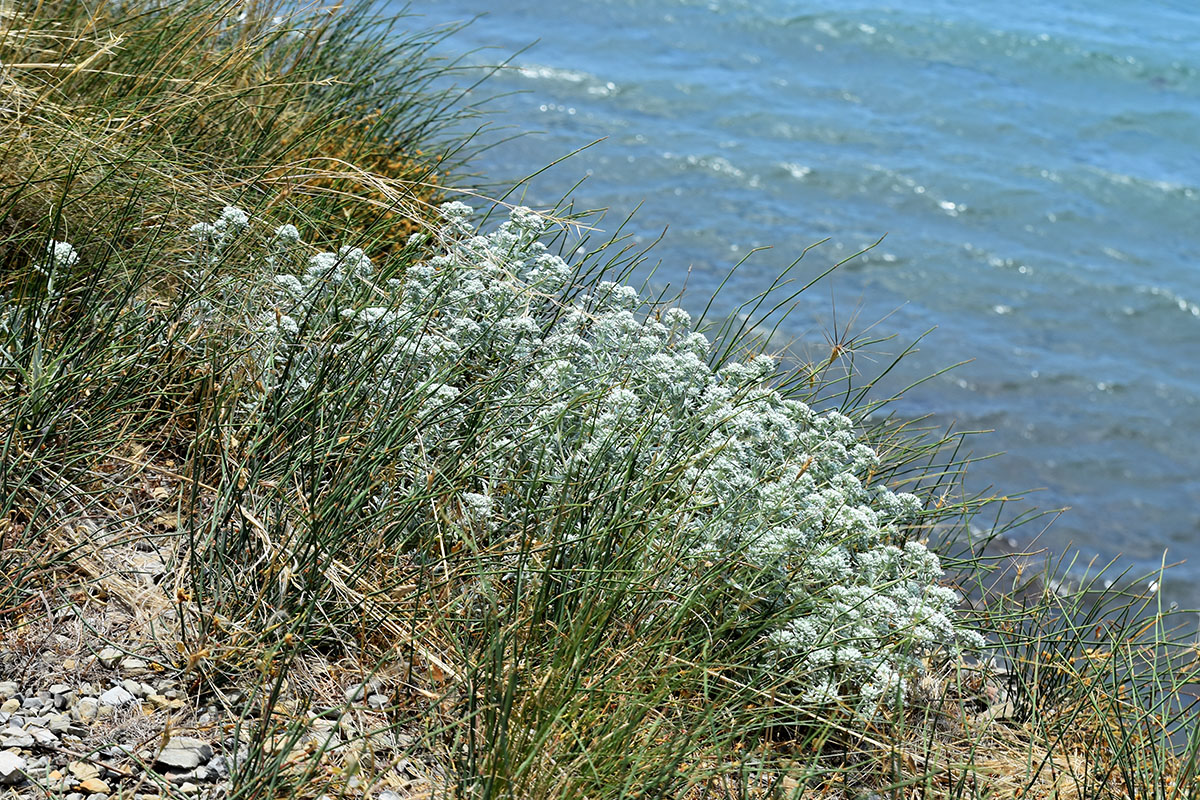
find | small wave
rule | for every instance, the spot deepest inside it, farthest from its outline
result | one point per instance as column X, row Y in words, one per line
column 537, row 72
column 1178, row 301
column 899, row 182
column 1164, row 187
column 1134, row 55
column 797, row 171
column 718, row 165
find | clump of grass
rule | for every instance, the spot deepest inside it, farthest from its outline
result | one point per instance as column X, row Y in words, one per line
column 173, row 106
column 586, row 544
column 124, row 121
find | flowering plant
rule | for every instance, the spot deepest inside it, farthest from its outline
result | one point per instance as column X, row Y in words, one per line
column 552, row 389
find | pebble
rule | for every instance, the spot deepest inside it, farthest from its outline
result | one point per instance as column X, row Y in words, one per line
column 189, row 788
column 117, row 696
column 205, row 774
column 42, row 736
column 184, row 752
column 9, row 688
column 378, row 701
column 16, row 737
column 83, row 771
column 10, row 705
column 133, row 666
column 12, row 768
column 94, row 786
column 220, row 766
column 86, row 710
column 109, row 657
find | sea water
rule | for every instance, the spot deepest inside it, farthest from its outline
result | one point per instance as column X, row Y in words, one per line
column 1034, row 166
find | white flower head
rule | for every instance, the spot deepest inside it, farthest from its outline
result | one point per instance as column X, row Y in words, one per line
column 59, row 256
column 231, row 222
column 290, row 284
column 528, row 221
column 457, row 216
column 286, row 236
column 677, row 318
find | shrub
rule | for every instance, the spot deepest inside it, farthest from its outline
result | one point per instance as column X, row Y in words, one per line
column 551, row 398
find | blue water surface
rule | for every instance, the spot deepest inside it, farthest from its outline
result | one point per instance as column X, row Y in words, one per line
column 1036, row 168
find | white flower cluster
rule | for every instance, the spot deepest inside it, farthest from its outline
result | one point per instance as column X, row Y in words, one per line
column 606, row 383
column 215, row 237
column 59, row 255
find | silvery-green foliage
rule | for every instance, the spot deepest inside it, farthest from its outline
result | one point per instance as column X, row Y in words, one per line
column 608, row 386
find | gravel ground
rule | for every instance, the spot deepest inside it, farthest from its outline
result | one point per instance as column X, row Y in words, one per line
column 100, row 699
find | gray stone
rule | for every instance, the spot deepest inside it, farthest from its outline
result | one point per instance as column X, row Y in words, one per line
column 109, row 657
column 12, row 769
column 97, row 796
column 74, row 796
column 220, row 766
column 389, row 795
column 378, row 701
column 33, row 703
column 204, row 774
column 356, row 692
column 15, row 737
column 184, row 752
column 42, row 736
column 189, row 788
column 58, row 723
column 133, row 666
column 9, row 688
column 132, row 686
column 117, row 696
